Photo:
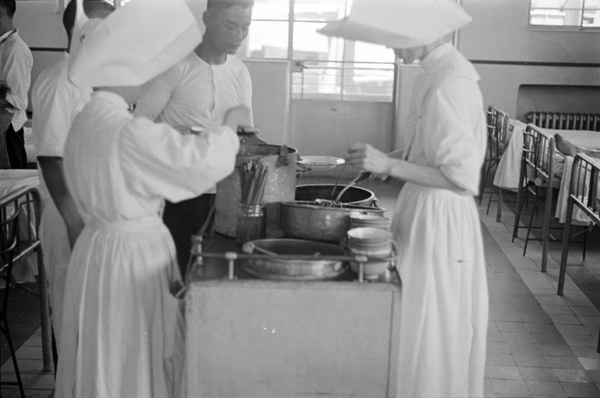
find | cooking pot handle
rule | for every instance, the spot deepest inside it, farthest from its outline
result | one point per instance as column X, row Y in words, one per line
column 393, row 267
column 201, row 236
column 282, row 160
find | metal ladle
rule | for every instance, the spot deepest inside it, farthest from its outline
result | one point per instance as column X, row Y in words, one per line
column 363, row 175
column 337, row 181
column 250, row 247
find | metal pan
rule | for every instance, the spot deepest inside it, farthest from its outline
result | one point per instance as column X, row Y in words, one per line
column 287, row 268
column 309, row 220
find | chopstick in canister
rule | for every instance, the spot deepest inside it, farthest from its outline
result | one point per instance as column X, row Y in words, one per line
column 252, row 182
column 261, row 182
column 258, row 184
column 244, row 178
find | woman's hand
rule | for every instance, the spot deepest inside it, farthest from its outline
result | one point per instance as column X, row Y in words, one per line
column 237, row 116
column 365, row 157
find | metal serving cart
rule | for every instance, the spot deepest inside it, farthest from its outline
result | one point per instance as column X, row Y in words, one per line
column 248, row 337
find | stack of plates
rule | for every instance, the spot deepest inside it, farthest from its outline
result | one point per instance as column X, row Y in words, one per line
column 358, row 220
column 376, row 244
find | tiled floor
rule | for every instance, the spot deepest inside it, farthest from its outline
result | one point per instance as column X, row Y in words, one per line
column 539, row 344
column 37, row 384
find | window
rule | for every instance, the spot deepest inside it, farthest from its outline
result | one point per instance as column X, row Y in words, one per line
column 325, row 68
column 571, row 14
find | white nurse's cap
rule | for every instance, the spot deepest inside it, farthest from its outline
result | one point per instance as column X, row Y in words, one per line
column 399, row 23
column 133, row 44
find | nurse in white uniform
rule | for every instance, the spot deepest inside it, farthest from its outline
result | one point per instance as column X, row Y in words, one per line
column 120, row 307
column 55, row 102
column 436, row 225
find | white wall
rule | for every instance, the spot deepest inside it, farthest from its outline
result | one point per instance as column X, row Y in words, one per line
column 40, row 23
column 500, row 83
column 330, row 127
column 500, row 41
column 271, row 99
column 499, row 32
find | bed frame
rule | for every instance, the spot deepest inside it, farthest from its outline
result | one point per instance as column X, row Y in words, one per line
column 27, row 201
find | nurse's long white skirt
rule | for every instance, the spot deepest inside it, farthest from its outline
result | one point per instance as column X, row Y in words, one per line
column 119, row 315
column 444, row 294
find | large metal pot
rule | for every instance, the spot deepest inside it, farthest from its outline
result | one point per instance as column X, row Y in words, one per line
column 308, row 220
column 287, row 268
column 280, row 162
column 353, row 196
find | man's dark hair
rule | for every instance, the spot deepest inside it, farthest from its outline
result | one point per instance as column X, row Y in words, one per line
column 10, row 6
column 219, row 5
column 92, row 8
column 69, row 16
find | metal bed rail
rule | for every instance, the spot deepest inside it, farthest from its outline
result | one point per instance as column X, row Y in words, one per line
column 537, row 179
column 583, row 194
column 29, row 199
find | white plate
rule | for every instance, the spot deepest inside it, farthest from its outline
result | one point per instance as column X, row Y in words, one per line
column 320, row 162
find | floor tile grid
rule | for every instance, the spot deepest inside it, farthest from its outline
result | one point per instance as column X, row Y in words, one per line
column 546, row 348
column 37, row 384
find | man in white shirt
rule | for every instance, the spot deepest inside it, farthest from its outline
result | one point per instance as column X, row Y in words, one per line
column 55, row 102
column 196, row 93
column 16, row 62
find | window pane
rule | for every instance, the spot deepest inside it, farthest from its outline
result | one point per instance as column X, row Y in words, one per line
column 271, row 9
column 336, row 69
column 547, row 3
column 319, row 80
column 266, row 39
column 346, row 81
column 591, row 13
column 365, row 52
column 374, row 82
column 556, row 12
column 310, row 45
column 320, row 10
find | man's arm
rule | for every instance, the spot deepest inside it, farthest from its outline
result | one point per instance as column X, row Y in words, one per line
column 154, row 97
column 4, row 104
column 54, row 177
column 247, row 93
column 18, row 78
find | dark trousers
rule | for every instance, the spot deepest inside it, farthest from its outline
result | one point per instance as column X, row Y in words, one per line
column 54, row 352
column 185, row 219
column 15, row 146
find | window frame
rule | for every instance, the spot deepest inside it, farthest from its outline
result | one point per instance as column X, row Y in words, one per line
column 561, row 28
column 297, row 64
